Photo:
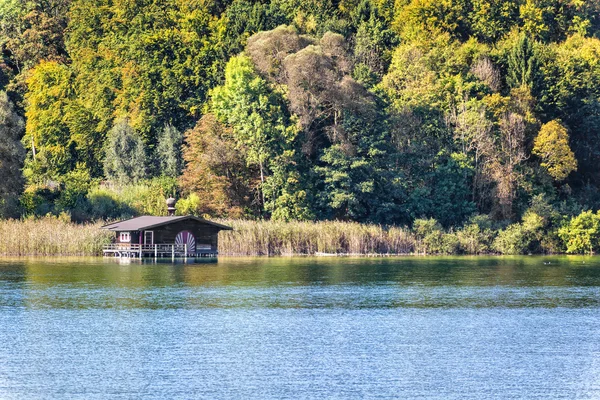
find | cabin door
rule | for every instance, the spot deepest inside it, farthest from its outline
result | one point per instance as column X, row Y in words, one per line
column 186, row 237
column 148, row 237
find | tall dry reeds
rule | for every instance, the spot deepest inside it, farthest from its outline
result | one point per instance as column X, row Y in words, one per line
column 270, row 238
column 55, row 236
column 51, row 237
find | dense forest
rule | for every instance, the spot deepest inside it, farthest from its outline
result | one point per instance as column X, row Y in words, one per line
column 449, row 112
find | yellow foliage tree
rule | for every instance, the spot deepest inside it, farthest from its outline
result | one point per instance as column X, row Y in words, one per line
column 552, row 146
column 532, row 14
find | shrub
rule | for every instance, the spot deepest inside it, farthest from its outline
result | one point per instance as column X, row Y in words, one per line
column 521, row 238
column 431, row 238
column 103, row 203
column 75, row 186
column 427, row 233
column 512, row 240
column 476, row 237
column 189, row 205
column 582, row 233
column 450, row 244
column 38, row 200
column 549, row 242
column 147, row 197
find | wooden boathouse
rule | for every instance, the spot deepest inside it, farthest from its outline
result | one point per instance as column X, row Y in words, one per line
column 170, row 236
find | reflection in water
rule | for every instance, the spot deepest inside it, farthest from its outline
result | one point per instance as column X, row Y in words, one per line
column 462, row 327
column 304, row 283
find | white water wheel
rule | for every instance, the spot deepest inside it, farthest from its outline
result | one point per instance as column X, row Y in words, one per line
column 186, row 237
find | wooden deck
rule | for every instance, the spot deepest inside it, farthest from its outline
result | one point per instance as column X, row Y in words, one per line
column 122, row 250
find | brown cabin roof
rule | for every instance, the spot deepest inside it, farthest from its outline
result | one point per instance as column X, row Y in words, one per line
column 147, row 222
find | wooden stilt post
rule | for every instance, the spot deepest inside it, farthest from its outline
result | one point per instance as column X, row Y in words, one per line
column 155, row 250
column 173, row 252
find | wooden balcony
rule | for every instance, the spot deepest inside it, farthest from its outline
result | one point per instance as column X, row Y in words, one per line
column 127, row 250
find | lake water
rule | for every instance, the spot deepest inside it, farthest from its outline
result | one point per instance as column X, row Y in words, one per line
column 301, row 328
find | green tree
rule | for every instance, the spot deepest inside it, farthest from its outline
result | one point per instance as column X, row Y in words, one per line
column 374, row 42
column 419, row 18
column 359, row 180
column 431, row 238
column 243, row 19
column 257, row 115
column 286, row 189
column 343, row 136
column 62, row 130
column 34, row 30
column 447, row 195
column 75, row 186
column 155, row 69
column 551, row 20
column 310, row 16
column 11, row 156
column 490, row 20
column 534, row 16
column 571, row 94
column 125, row 161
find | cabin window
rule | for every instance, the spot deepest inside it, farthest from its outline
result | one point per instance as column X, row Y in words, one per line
column 148, row 237
column 125, row 237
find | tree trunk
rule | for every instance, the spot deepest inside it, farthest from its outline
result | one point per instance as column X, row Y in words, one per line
column 262, row 182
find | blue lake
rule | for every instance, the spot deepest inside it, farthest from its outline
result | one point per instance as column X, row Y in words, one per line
column 301, row 328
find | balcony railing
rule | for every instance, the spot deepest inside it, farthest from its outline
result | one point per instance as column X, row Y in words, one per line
column 155, row 250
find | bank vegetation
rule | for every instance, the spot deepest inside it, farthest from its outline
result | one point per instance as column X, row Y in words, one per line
column 395, row 115
column 58, row 236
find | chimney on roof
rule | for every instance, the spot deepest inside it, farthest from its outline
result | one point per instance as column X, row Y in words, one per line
column 171, row 206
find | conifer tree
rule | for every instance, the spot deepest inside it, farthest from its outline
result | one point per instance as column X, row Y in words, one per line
column 523, row 65
column 125, row 160
column 169, row 151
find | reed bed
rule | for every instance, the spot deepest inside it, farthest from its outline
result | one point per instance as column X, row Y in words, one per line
column 270, row 238
column 51, row 237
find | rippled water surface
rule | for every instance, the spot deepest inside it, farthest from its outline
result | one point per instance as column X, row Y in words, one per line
column 302, row 328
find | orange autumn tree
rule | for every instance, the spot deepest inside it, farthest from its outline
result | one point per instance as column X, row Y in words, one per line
column 215, row 177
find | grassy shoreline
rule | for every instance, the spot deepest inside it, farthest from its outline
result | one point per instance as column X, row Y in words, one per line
column 57, row 236
column 269, row 238
column 51, row 237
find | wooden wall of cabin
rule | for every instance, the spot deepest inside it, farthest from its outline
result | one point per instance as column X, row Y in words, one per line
column 203, row 233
